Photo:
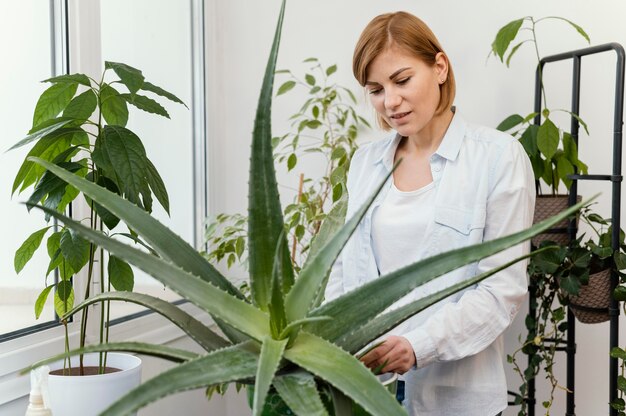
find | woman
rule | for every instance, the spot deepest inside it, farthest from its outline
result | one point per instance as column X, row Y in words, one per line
column 457, row 185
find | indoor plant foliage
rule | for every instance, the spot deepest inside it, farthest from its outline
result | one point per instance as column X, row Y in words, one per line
column 79, row 124
column 552, row 151
column 284, row 336
column 325, row 126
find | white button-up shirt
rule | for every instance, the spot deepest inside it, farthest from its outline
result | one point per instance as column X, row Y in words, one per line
column 485, row 189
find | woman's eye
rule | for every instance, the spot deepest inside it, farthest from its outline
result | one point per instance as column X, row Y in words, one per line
column 375, row 91
column 403, row 81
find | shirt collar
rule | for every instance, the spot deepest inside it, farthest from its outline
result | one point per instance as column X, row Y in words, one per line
column 448, row 149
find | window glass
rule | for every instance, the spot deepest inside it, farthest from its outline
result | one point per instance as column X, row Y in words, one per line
column 25, row 30
column 155, row 37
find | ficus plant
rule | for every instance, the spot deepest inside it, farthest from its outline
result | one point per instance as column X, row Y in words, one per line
column 552, row 150
column 284, row 336
column 79, row 124
column 326, row 126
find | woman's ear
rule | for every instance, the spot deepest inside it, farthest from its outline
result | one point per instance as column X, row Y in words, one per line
column 441, row 67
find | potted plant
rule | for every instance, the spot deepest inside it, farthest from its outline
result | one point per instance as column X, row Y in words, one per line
column 552, row 150
column 284, row 336
column 79, row 124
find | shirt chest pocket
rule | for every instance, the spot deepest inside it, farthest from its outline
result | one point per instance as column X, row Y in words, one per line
column 461, row 222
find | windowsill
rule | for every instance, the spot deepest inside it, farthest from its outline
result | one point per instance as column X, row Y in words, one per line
column 18, row 354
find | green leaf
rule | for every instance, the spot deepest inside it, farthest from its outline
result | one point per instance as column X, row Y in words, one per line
column 515, row 48
column 196, row 330
column 310, row 79
column 331, row 70
column 81, row 107
column 63, row 297
column 510, row 122
column 127, row 156
column 548, row 139
column 237, row 313
column 619, row 293
column 617, row 352
column 222, row 366
column 292, row 160
column 343, row 371
column 41, row 300
column 271, row 354
column 314, row 276
column 300, row 393
column 53, row 101
column 505, row 35
column 157, row 185
column 265, row 219
column 28, row 248
column 146, row 104
column 348, row 311
column 75, row 249
column 169, row 245
column 113, row 106
column 147, row 86
column 564, row 168
column 276, row 306
column 131, row 77
column 287, row 86
column 121, row 275
column 56, row 258
column 40, row 133
column 620, row 260
column 529, row 140
column 70, row 79
column 621, row 383
column 578, row 28
column 52, row 187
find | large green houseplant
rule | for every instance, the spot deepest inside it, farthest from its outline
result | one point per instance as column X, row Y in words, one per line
column 79, row 124
column 285, row 337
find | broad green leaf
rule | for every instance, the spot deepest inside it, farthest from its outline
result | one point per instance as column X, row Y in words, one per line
column 28, row 248
column 153, row 350
column 299, row 391
column 271, row 354
column 146, row 104
column 56, row 257
column 331, row 70
column 514, row 49
column 510, row 122
column 529, row 140
column 41, row 300
column 38, row 134
column 157, row 185
column 292, row 160
column 287, row 86
column 311, row 281
column 548, row 138
column 265, row 217
column 147, row 86
column 356, row 339
column 564, row 168
column 131, row 77
column 75, row 249
column 620, row 260
column 121, row 275
column 53, row 101
column 127, row 156
column 345, row 372
column 110, row 220
column 63, row 297
column 349, row 312
column 504, row 37
column 167, row 243
column 222, row 366
column 113, row 106
column 71, row 79
column 310, row 79
column 237, row 313
column 81, row 107
column 196, row 330
column 569, row 147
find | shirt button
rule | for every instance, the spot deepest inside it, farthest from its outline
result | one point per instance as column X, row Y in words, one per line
column 437, row 168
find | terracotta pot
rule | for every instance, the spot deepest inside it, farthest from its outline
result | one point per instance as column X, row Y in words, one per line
column 591, row 306
column 547, row 206
column 91, row 394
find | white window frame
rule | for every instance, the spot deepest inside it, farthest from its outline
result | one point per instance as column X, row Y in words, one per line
column 81, row 18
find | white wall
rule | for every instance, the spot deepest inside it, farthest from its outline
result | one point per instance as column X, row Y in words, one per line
column 487, row 92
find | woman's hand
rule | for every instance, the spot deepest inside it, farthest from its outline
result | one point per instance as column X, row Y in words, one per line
column 395, row 355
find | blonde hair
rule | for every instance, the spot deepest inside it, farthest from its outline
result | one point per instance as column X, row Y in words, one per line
column 410, row 34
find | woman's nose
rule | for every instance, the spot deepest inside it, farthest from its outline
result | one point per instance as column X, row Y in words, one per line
column 392, row 99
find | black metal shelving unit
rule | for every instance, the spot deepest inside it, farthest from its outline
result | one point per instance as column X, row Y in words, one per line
column 616, row 179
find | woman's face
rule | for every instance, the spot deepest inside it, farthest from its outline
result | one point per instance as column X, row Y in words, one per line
column 404, row 90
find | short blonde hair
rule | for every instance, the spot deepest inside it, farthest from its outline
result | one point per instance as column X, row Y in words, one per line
column 410, row 34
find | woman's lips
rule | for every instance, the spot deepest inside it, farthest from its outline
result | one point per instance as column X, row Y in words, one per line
column 400, row 116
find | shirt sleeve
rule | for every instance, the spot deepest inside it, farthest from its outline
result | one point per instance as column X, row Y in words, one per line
column 469, row 325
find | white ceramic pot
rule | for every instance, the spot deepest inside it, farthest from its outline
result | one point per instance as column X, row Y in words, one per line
column 90, row 395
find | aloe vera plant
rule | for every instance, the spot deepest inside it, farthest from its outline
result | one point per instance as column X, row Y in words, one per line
column 285, row 336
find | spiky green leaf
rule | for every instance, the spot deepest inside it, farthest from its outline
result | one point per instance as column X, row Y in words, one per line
column 300, row 393
column 271, row 354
